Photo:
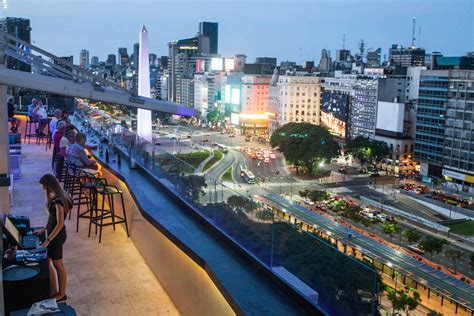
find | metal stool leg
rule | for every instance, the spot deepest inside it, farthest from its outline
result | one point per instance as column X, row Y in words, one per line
column 124, row 214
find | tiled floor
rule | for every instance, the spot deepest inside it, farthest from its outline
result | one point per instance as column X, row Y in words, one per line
column 110, row 278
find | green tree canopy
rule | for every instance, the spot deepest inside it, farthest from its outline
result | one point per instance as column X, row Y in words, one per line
column 433, row 245
column 367, row 150
column 215, row 117
column 411, row 235
column 454, row 256
column 406, row 300
column 390, row 229
column 305, row 144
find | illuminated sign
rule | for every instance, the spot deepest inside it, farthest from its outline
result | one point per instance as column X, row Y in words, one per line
column 234, row 119
column 216, row 64
column 227, row 93
column 229, row 64
column 235, row 99
column 199, row 65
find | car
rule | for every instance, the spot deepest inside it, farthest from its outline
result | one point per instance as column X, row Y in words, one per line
column 247, row 139
column 416, row 249
column 157, row 143
column 231, row 135
column 273, row 156
column 253, row 156
column 266, row 160
column 343, row 169
column 259, row 157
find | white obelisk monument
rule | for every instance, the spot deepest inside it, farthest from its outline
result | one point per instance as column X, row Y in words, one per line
column 144, row 116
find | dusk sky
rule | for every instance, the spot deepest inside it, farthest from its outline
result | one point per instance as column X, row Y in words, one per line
column 287, row 29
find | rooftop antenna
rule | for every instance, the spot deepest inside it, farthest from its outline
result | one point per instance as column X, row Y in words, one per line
column 419, row 36
column 343, row 41
column 413, row 33
column 362, row 49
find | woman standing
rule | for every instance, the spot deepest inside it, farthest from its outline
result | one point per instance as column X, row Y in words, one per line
column 58, row 204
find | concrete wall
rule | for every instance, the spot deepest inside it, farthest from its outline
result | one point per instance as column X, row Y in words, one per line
column 186, row 282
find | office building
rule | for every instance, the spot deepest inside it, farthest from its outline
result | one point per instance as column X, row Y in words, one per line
column 458, row 146
column 273, row 101
column 94, row 60
column 406, row 56
column 84, row 58
column 135, row 55
column 269, row 63
column 111, row 60
column 211, row 31
column 374, row 58
column 431, row 121
column 231, row 91
column 343, row 55
column 325, row 62
column 187, row 92
column 18, row 27
column 287, row 65
column 122, row 56
column 363, row 112
column 336, row 104
column 300, row 99
column 395, row 118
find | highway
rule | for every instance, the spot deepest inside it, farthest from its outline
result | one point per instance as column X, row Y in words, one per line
column 419, row 271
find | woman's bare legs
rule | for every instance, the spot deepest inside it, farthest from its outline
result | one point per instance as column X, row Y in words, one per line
column 62, row 278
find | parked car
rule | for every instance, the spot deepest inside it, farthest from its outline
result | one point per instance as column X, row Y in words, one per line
column 266, row 160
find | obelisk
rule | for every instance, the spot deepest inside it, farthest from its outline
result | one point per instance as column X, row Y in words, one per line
column 144, row 128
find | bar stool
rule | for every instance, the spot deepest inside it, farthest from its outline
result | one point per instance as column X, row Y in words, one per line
column 98, row 215
column 41, row 137
column 87, row 197
column 31, row 122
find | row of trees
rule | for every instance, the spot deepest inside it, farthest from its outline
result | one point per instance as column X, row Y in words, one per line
column 308, row 145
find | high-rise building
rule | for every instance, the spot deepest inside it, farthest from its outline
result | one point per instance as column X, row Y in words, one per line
column 458, row 146
column 21, row 29
column 273, row 101
column 363, row 112
column 343, row 55
column 210, row 30
column 94, row 60
column 406, row 56
column 187, row 92
column 84, row 58
column 122, row 56
column 325, row 62
column 136, row 49
column 300, row 99
column 374, row 58
column 111, row 60
column 430, row 121
column 153, row 59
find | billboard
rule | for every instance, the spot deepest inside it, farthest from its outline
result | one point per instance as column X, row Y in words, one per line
column 235, row 119
column 229, row 64
column 216, row 64
column 200, row 66
column 337, row 104
column 390, row 116
column 235, row 98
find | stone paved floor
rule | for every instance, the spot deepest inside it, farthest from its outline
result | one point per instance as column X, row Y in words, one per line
column 110, row 278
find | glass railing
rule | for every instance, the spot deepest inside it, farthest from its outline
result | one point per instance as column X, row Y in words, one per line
column 334, row 282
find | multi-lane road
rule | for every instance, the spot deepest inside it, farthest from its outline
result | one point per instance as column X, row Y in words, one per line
column 423, row 273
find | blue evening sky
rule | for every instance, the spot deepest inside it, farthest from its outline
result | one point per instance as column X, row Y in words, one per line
column 288, row 29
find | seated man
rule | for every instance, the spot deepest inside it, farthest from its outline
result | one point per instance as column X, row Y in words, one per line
column 76, row 154
column 40, row 113
column 66, row 141
column 11, row 116
column 31, row 107
column 54, row 122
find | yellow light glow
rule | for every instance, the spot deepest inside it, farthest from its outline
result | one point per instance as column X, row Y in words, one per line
column 254, row 116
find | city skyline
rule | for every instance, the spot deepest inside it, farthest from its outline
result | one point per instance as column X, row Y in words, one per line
column 284, row 32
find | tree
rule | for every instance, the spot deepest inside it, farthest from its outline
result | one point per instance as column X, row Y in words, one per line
column 236, row 202
column 367, row 150
column 406, row 300
column 369, row 222
column 318, row 195
column 454, row 256
column 390, row 229
column 215, row 117
column 432, row 245
column 193, row 186
column 305, row 144
column 411, row 235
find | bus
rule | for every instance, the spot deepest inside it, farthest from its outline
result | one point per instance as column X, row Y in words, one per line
column 222, row 148
column 248, row 177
